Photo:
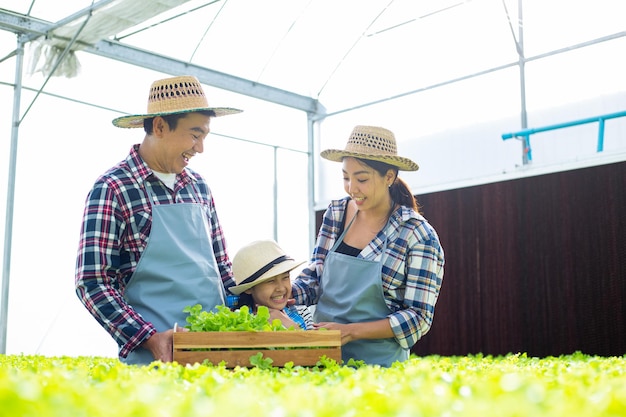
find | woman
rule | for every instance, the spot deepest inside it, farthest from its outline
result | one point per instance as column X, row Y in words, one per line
column 377, row 266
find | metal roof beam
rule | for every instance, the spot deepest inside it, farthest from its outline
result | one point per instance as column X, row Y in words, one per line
column 147, row 59
column 22, row 24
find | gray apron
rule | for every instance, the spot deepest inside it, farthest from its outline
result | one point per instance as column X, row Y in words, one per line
column 352, row 292
column 176, row 269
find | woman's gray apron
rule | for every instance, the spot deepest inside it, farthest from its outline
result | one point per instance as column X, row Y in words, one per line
column 352, row 292
column 176, row 269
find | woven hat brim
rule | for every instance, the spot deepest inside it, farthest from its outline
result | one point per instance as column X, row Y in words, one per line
column 136, row 120
column 277, row 270
column 400, row 162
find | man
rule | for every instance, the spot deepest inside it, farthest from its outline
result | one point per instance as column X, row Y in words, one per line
column 151, row 243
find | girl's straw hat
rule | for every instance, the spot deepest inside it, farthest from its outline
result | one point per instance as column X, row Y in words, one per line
column 258, row 262
column 372, row 143
column 183, row 94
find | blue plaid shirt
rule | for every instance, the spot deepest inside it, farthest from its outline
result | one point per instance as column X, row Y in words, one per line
column 115, row 230
column 412, row 268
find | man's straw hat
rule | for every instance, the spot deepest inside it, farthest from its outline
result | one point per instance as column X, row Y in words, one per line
column 258, row 262
column 372, row 143
column 183, row 94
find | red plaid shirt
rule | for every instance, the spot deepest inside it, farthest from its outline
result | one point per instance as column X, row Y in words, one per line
column 116, row 225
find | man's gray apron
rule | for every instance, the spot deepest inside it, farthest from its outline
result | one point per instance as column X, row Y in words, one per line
column 352, row 292
column 176, row 269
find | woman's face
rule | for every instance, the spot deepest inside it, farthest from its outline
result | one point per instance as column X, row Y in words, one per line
column 272, row 293
column 365, row 185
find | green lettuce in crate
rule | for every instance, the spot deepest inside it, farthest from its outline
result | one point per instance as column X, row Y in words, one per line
column 225, row 320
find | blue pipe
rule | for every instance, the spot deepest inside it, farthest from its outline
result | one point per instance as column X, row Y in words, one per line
column 525, row 134
column 600, row 135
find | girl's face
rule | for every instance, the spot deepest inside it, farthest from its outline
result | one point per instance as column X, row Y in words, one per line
column 272, row 293
column 365, row 185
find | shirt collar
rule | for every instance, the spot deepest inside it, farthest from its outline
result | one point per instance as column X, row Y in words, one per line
column 141, row 171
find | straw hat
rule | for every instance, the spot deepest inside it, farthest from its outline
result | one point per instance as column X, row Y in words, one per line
column 258, row 262
column 183, row 94
column 372, row 143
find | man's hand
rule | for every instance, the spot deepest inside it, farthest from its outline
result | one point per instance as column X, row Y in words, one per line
column 161, row 344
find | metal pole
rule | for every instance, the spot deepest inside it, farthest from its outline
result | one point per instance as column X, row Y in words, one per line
column 275, row 192
column 8, row 229
column 311, row 182
column 526, row 155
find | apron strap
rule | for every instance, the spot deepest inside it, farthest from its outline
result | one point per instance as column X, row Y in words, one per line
column 345, row 230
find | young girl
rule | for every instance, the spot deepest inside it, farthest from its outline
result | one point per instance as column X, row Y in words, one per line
column 261, row 270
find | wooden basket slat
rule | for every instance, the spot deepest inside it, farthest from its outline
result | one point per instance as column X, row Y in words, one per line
column 305, row 347
column 301, row 357
column 192, row 340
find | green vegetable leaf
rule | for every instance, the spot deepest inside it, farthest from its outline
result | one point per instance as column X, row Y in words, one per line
column 225, row 320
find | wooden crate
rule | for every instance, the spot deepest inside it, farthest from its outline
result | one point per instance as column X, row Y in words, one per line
column 246, row 344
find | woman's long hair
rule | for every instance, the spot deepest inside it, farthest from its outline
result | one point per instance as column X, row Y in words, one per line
column 399, row 190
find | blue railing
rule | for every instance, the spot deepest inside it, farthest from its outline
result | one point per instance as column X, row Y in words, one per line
column 525, row 134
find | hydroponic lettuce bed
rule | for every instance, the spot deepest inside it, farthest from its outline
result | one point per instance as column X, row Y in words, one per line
column 474, row 386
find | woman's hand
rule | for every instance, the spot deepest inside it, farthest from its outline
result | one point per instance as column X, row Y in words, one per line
column 379, row 329
column 345, row 329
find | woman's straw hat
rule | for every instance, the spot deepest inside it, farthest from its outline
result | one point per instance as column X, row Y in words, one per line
column 372, row 143
column 183, row 94
column 258, row 262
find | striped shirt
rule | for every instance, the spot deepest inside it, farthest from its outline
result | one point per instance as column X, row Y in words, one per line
column 301, row 315
column 115, row 230
column 412, row 270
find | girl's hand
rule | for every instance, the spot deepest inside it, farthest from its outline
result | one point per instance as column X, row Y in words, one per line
column 284, row 318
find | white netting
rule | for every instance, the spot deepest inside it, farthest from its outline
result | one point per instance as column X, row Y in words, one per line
column 45, row 56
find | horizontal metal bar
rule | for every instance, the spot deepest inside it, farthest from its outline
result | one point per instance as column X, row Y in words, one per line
column 161, row 63
column 528, row 132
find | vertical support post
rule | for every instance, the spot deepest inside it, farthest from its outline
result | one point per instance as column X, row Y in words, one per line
column 275, row 191
column 311, row 181
column 526, row 154
column 8, row 229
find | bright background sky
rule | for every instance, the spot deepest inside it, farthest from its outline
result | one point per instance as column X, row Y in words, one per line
column 453, row 132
